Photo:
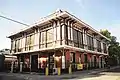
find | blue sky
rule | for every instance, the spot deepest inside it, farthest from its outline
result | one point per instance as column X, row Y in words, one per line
column 100, row 14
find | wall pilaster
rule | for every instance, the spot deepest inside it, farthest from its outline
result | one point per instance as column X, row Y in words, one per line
column 36, row 39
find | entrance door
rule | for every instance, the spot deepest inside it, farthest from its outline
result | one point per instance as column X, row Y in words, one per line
column 85, row 61
column 95, row 62
column 51, row 62
column 34, row 63
column 101, row 62
column 72, row 57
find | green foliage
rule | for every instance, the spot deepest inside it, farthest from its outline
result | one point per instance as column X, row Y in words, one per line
column 106, row 33
column 114, row 48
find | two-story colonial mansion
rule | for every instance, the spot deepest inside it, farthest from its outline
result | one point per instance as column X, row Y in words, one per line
column 59, row 40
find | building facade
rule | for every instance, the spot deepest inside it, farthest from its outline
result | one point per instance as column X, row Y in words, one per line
column 57, row 41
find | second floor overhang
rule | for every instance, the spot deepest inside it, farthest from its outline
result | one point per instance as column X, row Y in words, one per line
column 60, row 15
column 61, row 47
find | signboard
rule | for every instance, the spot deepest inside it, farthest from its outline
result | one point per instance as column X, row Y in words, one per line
column 63, row 62
column 79, row 66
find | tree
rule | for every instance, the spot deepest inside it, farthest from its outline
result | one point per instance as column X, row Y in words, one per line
column 114, row 48
column 106, row 33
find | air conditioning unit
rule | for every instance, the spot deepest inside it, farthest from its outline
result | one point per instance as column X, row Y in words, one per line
column 55, row 71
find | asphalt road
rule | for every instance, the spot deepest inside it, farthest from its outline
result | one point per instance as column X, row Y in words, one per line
column 106, row 75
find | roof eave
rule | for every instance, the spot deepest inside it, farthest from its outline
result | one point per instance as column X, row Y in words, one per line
column 63, row 13
column 87, row 25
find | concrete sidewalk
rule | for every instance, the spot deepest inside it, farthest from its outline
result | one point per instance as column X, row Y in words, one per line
column 74, row 75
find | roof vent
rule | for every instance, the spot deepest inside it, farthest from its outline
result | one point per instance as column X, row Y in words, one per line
column 58, row 10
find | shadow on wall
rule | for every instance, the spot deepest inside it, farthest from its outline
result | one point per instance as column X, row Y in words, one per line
column 2, row 58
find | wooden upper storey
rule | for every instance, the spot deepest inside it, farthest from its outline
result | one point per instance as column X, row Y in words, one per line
column 63, row 17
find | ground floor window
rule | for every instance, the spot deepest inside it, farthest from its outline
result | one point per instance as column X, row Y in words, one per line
column 42, row 61
column 27, row 61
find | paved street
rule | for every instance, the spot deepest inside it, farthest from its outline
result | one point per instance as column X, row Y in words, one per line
column 106, row 75
column 113, row 74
